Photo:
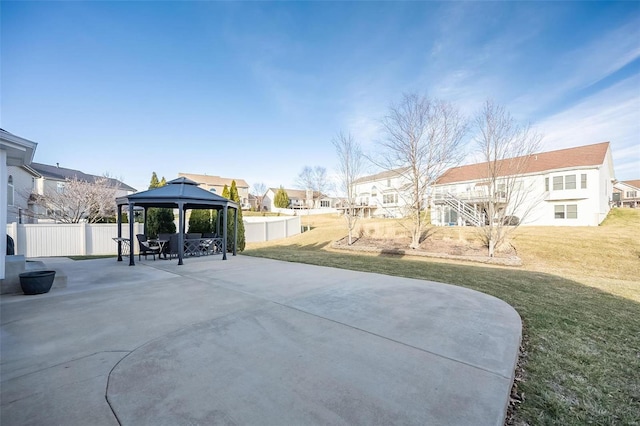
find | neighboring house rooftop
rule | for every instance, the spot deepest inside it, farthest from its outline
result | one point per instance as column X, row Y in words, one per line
column 297, row 193
column 292, row 193
column 635, row 183
column 582, row 156
column 214, row 180
column 61, row 173
column 387, row 174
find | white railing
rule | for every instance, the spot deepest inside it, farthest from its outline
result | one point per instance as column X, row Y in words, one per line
column 467, row 212
column 68, row 239
column 304, row 212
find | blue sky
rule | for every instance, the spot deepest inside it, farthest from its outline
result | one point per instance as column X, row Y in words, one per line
column 257, row 90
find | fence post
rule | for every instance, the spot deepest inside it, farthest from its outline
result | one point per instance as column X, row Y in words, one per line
column 83, row 238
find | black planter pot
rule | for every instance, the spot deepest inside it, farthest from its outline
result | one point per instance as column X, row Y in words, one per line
column 37, row 282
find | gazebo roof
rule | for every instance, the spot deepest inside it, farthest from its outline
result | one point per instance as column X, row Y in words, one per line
column 175, row 192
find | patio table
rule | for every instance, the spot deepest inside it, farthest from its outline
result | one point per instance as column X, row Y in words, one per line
column 161, row 244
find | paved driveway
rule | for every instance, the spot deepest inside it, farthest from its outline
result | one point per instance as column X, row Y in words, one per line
column 253, row 341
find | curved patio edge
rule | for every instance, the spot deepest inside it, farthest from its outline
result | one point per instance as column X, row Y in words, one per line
column 327, row 345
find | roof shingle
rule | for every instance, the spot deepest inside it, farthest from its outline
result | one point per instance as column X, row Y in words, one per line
column 214, row 180
column 581, row 156
column 62, row 173
column 635, row 183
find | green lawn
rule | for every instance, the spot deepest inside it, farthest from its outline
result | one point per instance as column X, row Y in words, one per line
column 578, row 294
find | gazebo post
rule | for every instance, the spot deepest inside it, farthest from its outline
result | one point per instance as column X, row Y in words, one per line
column 119, row 233
column 145, row 221
column 224, row 232
column 235, row 233
column 131, row 236
column 180, row 232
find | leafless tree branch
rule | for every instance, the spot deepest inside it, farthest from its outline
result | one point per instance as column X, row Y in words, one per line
column 350, row 167
column 507, row 149
column 423, row 138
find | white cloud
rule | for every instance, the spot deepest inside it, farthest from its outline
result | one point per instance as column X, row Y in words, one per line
column 582, row 67
column 610, row 115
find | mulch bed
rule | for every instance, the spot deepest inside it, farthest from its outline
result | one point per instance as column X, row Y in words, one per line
column 435, row 248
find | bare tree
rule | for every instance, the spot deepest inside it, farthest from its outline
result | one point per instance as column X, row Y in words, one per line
column 350, row 167
column 258, row 190
column 78, row 200
column 315, row 182
column 423, row 138
column 507, row 149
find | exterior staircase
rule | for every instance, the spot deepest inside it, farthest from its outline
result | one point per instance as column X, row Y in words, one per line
column 464, row 210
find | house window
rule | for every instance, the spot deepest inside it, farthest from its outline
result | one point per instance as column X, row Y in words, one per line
column 583, row 181
column 570, row 182
column 390, row 199
column 374, row 192
column 632, row 194
column 325, row 203
column 559, row 212
column 570, row 211
column 10, row 191
column 546, row 184
column 389, row 182
column 60, row 187
column 557, row 183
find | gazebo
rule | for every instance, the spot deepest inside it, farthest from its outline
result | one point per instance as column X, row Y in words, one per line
column 182, row 194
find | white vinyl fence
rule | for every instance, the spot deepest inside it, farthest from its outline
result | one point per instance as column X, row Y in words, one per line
column 265, row 228
column 76, row 239
column 83, row 239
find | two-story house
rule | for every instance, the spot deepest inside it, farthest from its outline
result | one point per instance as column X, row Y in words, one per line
column 22, row 182
column 38, row 178
column 382, row 194
column 15, row 152
column 567, row 187
column 216, row 184
column 299, row 199
column 627, row 193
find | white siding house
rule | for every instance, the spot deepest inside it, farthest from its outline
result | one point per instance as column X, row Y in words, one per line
column 568, row 187
column 53, row 178
column 23, row 181
column 300, row 199
column 14, row 152
column 627, row 193
column 382, row 195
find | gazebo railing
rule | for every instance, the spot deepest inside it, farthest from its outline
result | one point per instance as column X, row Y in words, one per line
column 202, row 246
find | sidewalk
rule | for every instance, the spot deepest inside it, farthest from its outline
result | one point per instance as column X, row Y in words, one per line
column 253, row 341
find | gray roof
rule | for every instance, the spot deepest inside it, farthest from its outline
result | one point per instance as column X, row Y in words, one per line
column 180, row 190
column 61, row 173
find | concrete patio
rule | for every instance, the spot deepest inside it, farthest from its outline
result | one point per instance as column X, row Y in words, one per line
column 252, row 341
